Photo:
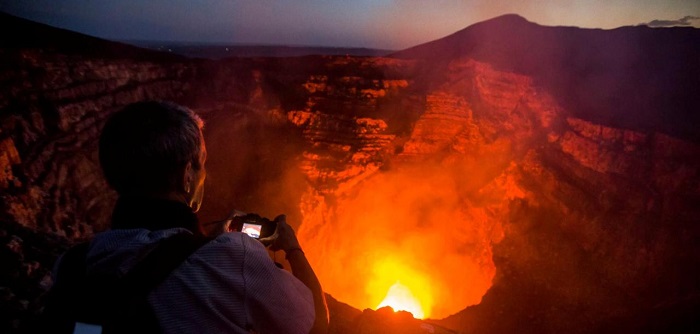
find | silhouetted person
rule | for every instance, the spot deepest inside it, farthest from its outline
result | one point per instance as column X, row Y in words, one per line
column 153, row 155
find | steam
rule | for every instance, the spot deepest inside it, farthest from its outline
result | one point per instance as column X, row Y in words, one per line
column 411, row 225
column 685, row 21
column 251, row 165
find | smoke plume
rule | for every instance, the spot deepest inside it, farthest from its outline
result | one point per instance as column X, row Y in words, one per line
column 685, row 21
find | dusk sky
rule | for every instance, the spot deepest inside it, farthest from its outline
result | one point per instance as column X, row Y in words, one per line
column 383, row 24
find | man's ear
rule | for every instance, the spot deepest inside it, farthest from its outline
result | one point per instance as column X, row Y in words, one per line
column 188, row 178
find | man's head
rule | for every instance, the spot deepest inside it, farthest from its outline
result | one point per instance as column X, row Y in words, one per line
column 155, row 149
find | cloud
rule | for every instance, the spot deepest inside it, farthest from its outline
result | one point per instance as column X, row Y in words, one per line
column 686, row 21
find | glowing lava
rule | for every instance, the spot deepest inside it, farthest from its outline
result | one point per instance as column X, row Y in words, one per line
column 395, row 284
column 400, row 298
column 411, row 226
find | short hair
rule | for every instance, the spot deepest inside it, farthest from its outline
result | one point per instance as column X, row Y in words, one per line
column 145, row 147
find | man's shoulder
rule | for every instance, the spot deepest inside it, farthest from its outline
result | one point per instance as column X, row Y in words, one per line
column 121, row 249
column 134, row 237
column 111, row 242
column 233, row 243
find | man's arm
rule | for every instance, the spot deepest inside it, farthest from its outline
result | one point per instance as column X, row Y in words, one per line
column 301, row 269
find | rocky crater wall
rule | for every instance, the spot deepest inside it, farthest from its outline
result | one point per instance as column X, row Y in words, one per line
column 557, row 221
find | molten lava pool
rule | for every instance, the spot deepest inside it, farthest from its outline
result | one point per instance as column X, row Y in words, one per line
column 400, row 298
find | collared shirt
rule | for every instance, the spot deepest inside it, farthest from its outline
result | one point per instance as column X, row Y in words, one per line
column 229, row 285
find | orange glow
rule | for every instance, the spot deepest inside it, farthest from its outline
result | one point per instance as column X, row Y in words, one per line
column 400, row 298
column 408, row 290
column 411, row 226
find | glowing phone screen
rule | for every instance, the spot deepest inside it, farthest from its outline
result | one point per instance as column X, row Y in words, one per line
column 253, row 230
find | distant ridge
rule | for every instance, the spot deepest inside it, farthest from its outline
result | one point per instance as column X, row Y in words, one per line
column 19, row 33
column 633, row 77
column 466, row 41
column 36, row 35
column 637, row 77
column 220, row 51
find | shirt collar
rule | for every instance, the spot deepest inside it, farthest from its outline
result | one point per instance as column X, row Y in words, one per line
column 153, row 214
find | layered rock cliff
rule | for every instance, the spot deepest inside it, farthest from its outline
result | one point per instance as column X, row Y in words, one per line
column 52, row 114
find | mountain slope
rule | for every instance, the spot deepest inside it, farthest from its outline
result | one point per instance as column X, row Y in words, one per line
column 19, row 33
column 639, row 78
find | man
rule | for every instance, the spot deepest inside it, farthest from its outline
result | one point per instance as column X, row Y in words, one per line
column 153, row 154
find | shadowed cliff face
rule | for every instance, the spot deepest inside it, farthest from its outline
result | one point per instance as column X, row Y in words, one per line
column 53, row 107
column 474, row 186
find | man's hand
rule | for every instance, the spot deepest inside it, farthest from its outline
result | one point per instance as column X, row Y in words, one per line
column 284, row 238
column 215, row 228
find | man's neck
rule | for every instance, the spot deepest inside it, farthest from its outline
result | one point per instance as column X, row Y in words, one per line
column 153, row 213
